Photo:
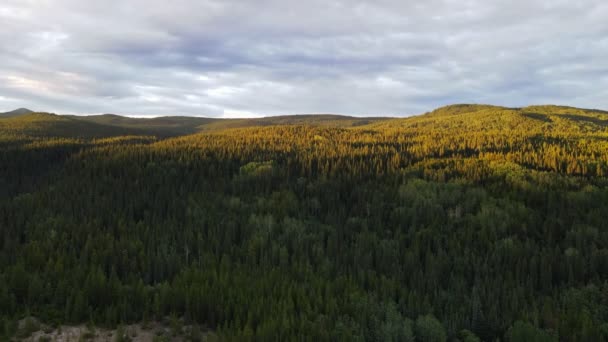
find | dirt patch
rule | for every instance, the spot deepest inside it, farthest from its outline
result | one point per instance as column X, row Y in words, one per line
column 155, row 331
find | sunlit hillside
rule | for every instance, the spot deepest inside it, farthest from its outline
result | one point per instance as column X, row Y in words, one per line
column 469, row 222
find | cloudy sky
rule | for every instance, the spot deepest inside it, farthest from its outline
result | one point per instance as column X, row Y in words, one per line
column 265, row 57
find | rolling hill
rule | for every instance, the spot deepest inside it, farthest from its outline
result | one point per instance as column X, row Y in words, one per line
column 467, row 223
column 107, row 125
column 53, row 125
column 483, row 118
column 16, row 112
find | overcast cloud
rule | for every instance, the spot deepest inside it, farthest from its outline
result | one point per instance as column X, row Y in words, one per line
column 267, row 57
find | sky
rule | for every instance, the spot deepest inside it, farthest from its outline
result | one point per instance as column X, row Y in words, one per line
column 251, row 58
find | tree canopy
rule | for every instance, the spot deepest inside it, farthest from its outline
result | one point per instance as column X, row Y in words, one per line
column 469, row 222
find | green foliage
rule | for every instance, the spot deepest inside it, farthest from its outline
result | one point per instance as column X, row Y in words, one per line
column 525, row 332
column 429, row 329
column 160, row 339
column 257, row 168
column 195, row 334
column 8, row 328
column 320, row 228
column 176, row 325
column 467, row 336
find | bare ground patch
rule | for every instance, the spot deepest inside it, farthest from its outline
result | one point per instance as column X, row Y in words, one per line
column 154, row 331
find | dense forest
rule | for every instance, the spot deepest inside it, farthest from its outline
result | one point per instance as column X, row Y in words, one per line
column 468, row 223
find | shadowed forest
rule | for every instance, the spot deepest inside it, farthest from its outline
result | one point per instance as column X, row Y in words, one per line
column 468, row 223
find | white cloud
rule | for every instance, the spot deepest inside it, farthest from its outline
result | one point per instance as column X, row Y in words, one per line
column 240, row 58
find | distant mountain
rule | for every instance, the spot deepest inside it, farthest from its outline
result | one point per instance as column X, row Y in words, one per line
column 320, row 227
column 16, row 112
column 160, row 126
column 487, row 119
column 463, row 108
column 109, row 125
column 322, row 120
column 53, row 125
column 447, row 120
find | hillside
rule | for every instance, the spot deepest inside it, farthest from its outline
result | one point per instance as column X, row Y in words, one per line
column 470, row 222
column 160, row 126
column 108, row 125
column 46, row 125
column 533, row 119
column 16, row 112
column 449, row 119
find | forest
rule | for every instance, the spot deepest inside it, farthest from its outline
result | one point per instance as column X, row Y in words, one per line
column 467, row 223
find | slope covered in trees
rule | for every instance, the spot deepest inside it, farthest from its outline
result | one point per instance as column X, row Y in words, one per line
column 469, row 222
column 23, row 121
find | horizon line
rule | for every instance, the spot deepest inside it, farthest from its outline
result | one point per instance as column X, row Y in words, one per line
column 262, row 116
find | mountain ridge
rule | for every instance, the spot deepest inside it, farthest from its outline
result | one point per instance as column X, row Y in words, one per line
column 118, row 221
column 446, row 119
column 451, row 109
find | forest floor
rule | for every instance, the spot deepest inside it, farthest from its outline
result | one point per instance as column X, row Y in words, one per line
column 152, row 331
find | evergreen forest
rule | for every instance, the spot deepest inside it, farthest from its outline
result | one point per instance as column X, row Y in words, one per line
column 467, row 223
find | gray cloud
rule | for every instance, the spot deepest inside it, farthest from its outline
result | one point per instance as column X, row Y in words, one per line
column 238, row 58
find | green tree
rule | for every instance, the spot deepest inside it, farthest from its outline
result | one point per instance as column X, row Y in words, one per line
column 429, row 329
column 526, row 332
column 467, row 336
